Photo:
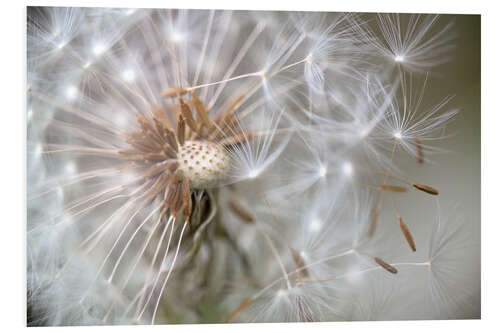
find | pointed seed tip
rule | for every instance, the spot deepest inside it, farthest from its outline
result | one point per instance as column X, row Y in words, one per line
column 407, row 234
column 426, row 189
column 386, row 266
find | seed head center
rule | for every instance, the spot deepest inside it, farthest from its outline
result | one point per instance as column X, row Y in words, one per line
column 203, row 163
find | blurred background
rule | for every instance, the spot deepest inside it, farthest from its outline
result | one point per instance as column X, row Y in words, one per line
column 457, row 172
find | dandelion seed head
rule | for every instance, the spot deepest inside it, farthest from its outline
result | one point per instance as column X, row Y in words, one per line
column 171, row 110
column 203, row 163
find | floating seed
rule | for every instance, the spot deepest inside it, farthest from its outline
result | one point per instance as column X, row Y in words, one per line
column 386, row 266
column 426, row 189
column 407, row 234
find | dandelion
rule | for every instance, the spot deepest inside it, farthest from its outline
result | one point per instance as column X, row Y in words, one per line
column 246, row 162
column 412, row 42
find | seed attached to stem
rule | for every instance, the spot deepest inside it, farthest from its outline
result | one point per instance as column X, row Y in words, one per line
column 174, row 92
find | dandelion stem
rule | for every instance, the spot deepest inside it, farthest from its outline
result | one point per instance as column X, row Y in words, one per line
column 169, row 272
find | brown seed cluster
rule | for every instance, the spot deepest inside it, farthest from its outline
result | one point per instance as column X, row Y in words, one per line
column 174, row 157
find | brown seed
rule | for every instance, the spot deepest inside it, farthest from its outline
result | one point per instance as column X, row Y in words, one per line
column 170, row 137
column 426, row 189
column 181, row 130
column 392, row 188
column 418, row 149
column 374, row 221
column 200, row 109
column 242, row 213
column 186, row 196
column 188, row 115
column 386, row 266
column 173, row 92
column 407, row 234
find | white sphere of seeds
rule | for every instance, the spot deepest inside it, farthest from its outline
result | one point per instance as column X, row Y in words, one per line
column 204, row 163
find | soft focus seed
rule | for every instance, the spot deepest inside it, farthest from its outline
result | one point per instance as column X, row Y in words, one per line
column 426, row 189
column 386, row 266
